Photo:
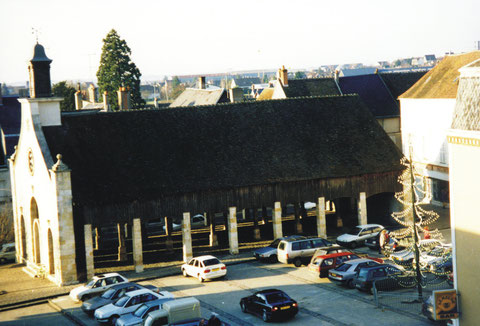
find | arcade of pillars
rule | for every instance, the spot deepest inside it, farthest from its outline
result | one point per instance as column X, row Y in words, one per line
column 231, row 227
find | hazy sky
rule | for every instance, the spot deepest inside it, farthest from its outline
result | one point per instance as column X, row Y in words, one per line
column 194, row 37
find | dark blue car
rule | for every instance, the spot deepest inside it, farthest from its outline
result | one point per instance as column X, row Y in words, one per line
column 270, row 304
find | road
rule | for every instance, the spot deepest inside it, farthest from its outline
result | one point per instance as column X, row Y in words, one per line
column 38, row 315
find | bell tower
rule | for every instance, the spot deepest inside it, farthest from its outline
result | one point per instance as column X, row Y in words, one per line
column 39, row 73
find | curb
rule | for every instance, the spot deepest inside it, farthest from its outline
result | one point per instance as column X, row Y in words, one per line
column 66, row 313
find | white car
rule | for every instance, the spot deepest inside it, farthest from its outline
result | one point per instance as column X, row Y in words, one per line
column 197, row 221
column 127, row 304
column 98, row 285
column 357, row 236
column 204, row 267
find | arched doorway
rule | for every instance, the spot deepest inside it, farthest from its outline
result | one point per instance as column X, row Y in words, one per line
column 51, row 260
column 23, row 238
column 35, row 231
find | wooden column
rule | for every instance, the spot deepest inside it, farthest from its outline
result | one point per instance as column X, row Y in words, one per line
column 168, row 232
column 277, row 220
column 213, row 232
column 122, row 249
column 97, row 238
column 362, row 209
column 137, row 245
column 321, row 220
column 187, row 237
column 256, row 228
column 298, row 224
column 232, row 231
column 89, row 251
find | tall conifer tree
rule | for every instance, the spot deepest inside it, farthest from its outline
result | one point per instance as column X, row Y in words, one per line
column 117, row 69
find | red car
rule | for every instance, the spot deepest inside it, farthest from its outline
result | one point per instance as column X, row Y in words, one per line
column 323, row 263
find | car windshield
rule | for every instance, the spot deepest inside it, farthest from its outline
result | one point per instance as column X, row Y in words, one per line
column 343, row 267
column 276, row 297
column 141, row 310
column 91, row 283
column 121, row 302
column 109, row 293
column 355, row 231
column 275, row 243
column 212, row 261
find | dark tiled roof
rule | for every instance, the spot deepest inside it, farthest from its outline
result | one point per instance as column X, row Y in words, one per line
column 373, row 91
column 196, row 96
column 311, row 87
column 467, row 107
column 134, row 155
column 442, row 80
column 399, row 82
column 10, row 119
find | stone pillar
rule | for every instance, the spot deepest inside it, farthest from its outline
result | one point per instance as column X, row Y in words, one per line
column 243, row 214
column 213, row 233
column 137, row 245
column 122, row 249
column 298, row 225
column 187, row 237
column 321, row 221
column 168, row 231
column 97, row 238
column 277, row 220
column 89, row 251
column 232, row 231
column 362, row 209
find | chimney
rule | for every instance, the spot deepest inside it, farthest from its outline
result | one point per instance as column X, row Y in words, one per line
column 78, row 100
column 106, row 106
column 235, row 94
column 283, row 76
column 123, row 98
column 201, row 82
column 39, row 73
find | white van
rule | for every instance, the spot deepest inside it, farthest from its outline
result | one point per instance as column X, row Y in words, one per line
column 300, row 251
column 174, row 311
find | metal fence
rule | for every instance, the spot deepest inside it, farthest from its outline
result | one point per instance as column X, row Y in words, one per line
column 404, row 297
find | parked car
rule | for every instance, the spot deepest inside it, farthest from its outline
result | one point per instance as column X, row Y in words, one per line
column 442, row 264
column 356, row 237
column 113, row 294
column 300, row 251
column 174, row 311
column 322, row 264
column 344, row 273
column 138, row 316
column 98, row 285
column 385, row 276
column 7, row 253
column 128, row 303
column 438, row 254
column 204, row 267
column 393, row 243
column 269, row 252
column 270, row 304
column 196, row 221
column 405, row 257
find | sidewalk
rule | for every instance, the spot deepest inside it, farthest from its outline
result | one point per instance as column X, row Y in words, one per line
column 17, row 287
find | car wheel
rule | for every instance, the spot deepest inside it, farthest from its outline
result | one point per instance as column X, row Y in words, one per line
column 297, row 262
column 273, row 259
column 265, row 316
column 350, row 284
column 113, row 320
column 184, row 272
column 244, row 308
column 200, row 278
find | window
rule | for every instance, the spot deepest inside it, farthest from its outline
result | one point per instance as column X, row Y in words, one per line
column 305, row 245
column 119, row 279
column 259, row 299
column 319, row 243
column 281, row 246
column 210, row 262
column 110, row 281
column 328, row 262
column 296, row 246
column 192, row 262
column 197, row 263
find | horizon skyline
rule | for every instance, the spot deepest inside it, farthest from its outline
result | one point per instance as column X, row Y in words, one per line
column 168, row 39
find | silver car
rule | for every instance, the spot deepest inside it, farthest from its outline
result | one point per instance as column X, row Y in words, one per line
column 345, row 272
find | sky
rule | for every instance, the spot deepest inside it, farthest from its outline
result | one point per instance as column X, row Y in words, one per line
column 220, row 36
